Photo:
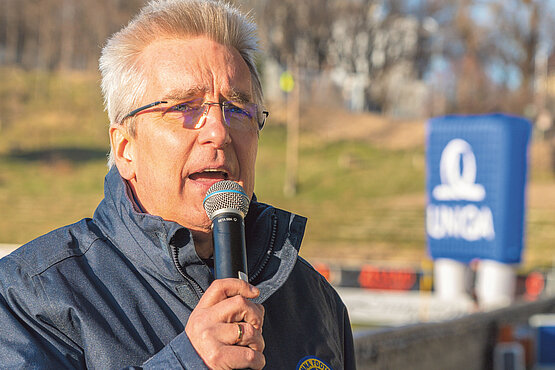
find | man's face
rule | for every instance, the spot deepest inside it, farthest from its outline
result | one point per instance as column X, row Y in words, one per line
column 171, row 167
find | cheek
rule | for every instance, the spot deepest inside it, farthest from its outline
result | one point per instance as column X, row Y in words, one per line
column 252, row 156
column 162, row 156
column 247, row 151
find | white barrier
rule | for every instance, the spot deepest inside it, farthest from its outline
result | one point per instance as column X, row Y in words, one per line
column 6, row 249
column 451, row 279
column 495, row 284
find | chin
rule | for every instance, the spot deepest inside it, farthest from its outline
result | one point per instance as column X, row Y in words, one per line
column 203, row 224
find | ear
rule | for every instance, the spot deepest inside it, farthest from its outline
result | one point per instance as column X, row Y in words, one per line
column 123, row 149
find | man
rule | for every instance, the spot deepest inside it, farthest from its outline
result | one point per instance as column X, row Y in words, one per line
column 134, row 286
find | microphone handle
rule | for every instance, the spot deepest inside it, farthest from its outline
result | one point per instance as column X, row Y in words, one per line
column 230, row 254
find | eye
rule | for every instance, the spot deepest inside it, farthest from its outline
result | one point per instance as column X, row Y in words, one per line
column 234, row 109
column 183, row 107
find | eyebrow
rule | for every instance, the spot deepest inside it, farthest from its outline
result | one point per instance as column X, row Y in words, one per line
column 183, row 94
column 198, row 91
column 239, row 96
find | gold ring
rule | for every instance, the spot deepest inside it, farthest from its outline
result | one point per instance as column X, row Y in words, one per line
column 239, row 333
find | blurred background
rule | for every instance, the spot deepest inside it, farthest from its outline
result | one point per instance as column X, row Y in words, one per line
column 350, row 85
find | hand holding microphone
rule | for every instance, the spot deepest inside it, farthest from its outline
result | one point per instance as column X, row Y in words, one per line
column 226, row 326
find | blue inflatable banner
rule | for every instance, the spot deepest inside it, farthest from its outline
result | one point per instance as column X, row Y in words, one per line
column 476, row 178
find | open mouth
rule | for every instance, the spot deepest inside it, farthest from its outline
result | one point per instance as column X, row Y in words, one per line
column 209, row 175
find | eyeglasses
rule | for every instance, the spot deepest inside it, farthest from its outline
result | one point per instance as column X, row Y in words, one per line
column 193, row 114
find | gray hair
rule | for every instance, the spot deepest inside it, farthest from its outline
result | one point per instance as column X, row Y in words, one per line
column 124, row 82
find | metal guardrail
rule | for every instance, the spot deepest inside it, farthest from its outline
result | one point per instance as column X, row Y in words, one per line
column 464, row 343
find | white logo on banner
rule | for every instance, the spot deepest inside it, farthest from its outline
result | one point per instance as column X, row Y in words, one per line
column 457, row 184
column 468, row 222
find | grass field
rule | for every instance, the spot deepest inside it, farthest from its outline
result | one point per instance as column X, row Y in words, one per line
column 361, row 177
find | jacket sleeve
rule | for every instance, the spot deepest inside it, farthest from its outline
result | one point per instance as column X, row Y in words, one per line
column 31, row 334
column 27, row 335
column 27, row 340
column 23, row 342
column 178, row 354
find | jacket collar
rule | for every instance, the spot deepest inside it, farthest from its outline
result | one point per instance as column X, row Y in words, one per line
column 142, row 237
column 273, row 238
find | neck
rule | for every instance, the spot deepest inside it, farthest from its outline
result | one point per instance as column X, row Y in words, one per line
column 204, row 244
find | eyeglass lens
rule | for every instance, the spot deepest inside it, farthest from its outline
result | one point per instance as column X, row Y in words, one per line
column 193, row 116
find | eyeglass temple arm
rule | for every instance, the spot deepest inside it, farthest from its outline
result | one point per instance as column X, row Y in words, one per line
column 131, row 114
column 265, row 115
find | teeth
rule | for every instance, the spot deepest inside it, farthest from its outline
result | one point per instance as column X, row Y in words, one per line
column 213, row 170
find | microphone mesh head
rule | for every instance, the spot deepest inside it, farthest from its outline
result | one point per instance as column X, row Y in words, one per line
column 226, row 194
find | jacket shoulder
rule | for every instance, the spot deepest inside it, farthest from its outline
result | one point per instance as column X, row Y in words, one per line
column 308, row 269
column 41, row 253
column 306, row 276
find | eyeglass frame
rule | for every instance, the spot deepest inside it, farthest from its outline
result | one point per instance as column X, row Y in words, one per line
column 133, row 113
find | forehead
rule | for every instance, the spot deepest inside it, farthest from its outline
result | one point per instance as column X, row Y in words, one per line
column 183, row 68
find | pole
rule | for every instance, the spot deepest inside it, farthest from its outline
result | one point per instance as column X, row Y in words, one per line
column 292, row 146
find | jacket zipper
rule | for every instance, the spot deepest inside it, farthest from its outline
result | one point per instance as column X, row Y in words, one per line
column 269, row 252
column 193, row 285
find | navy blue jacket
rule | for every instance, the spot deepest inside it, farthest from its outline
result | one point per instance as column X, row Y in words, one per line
column 117, row 290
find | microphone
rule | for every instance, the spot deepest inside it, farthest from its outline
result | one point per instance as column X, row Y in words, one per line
column 226, row 204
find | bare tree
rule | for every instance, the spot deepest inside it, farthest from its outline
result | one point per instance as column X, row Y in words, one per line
column 490, row 47
column 516, row 42
column 296, row 31
column 59, row 34
column 9, row 20
column 487, row 48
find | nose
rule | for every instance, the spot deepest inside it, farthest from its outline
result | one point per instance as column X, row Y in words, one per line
column 213, row 129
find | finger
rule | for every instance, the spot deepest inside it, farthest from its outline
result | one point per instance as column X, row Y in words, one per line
column 218, row 356
column 237, row 357
column 244, row 334
column 222, row 289
column 238, row 309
